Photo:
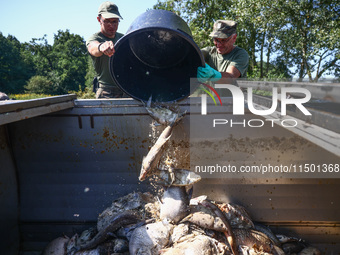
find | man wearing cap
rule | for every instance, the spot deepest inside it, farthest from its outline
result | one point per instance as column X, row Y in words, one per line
column 101, row 48
column 224, row 60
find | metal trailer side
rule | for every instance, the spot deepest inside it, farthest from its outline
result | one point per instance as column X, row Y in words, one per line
column 61, row 168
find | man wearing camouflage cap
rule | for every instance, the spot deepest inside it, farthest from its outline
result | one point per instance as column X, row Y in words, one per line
column 101, row 47
column 224, row 59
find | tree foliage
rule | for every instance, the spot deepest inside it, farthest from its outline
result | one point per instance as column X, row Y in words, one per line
column 15, row 68
column 64, row 63
column 70, row 55
column 293, row 37
column 310, row 37
column 39, row 67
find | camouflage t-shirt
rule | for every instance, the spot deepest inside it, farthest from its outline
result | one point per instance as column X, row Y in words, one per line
column 238, row 57
column 101, row 64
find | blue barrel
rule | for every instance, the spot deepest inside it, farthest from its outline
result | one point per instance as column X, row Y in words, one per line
column 156, row 58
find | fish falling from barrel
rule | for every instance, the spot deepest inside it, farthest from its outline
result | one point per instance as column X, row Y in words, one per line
column 151, row 160
column 164, row 116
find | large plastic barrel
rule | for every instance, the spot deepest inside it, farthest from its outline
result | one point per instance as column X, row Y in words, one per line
column 156, row 58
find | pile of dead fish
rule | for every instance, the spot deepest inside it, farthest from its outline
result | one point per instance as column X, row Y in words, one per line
column 140, row 224
column 174, row 223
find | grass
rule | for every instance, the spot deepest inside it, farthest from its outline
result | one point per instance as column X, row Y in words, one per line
column 27, row 96
column 262, row 93
column 81, row 94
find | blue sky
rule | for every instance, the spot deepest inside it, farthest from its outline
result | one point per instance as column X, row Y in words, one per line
column 32, row 19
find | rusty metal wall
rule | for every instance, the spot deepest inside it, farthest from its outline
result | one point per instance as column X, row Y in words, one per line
column 9, row 208
column 73, row 163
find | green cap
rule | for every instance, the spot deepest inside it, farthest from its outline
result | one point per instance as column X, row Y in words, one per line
column 223, row 28
column 109, row 10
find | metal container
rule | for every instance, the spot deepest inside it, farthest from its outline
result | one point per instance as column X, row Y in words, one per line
column 156, row 58
column 63, row 161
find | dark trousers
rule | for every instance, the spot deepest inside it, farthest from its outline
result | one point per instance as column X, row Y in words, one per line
column 109, row 92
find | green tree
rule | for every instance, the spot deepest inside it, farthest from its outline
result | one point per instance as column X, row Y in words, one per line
column 90, row 74
column 201, row 15
column 309, row 41
column 15, row 69
column 70, row 54
column 64, row 63
column 39, row 85
column 302, row 35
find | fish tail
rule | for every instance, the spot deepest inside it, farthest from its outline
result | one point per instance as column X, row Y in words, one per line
column 148, row 104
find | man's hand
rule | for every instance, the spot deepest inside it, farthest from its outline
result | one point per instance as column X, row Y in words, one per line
column 107, row 48
column 97, row 49
column 208, row 73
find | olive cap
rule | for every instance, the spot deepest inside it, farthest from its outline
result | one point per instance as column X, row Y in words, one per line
column 109, row 10
column 223, row 28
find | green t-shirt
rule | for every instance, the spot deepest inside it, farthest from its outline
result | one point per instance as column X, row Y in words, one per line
column 238, row 57
column 101, row 64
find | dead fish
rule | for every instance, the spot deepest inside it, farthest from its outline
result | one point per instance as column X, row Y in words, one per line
column 310, row 251
column 237, row 215
column 150, row 238
column 120, row 245
column 229, row 233
column 3, row 96
column 176, row 177
column 180, row 231
column 268, row 232
column 197, row 200
column 293, row 247
column 86, row 235
column 134, row 201
column 205, row 218
column 199, row 245
column 254, row 239
column 175, row 203
column 70, row 250
column 163, row 114
column 119, row 221
column 286, row 239
column 152, row 159
column 104, row 248
column 57, row 246
column 254, row 251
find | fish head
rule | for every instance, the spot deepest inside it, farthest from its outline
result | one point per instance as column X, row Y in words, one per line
column 164, row 114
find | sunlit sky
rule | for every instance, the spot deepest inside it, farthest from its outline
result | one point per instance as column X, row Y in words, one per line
column 35, row 18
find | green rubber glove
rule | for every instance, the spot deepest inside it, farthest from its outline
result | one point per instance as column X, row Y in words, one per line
column 208, row 73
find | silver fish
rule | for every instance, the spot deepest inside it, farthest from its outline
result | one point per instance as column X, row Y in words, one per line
column 237, row 215
column 175, row 203
column 293, row 247
column 70, row 249
column 256, row 239
column 310, row 251
column 229, row 233
column 150, row 239
column 163, row 114
column 286, row 239
column 268, row 232
column 198, row 245
column 205, row 218
column 176, row 177
column 57, row 246
column 152, row 158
